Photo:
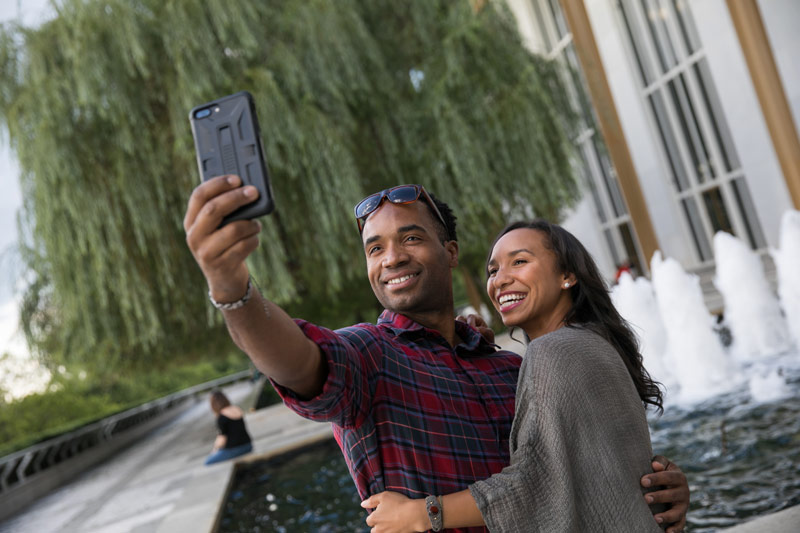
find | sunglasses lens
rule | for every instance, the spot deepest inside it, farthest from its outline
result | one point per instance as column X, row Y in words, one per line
column 367, row 205
column 403, row 195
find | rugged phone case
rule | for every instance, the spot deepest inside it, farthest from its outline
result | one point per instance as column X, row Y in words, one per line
column 227, row 141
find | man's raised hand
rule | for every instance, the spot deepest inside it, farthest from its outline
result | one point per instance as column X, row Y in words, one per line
column 221, row 252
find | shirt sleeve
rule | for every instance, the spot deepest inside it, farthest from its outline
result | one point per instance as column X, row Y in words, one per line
column 222, row 425
column 353, row 357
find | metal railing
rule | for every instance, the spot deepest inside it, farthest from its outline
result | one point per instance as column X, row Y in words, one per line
column 28, row 474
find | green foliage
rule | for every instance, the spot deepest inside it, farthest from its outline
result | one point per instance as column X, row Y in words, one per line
column 73, row 403
column 96, row 105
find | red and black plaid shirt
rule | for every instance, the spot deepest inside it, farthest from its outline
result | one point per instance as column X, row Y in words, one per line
column 410, row 413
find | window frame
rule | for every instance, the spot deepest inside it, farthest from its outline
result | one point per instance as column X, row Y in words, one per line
column 696, row 111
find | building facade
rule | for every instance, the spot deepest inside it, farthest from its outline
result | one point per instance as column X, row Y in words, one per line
column 689, row 117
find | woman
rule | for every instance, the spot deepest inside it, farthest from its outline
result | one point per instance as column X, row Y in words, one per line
column 233, row 439
column 580, row 404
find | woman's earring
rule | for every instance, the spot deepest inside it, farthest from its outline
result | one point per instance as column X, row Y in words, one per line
column 566, row 285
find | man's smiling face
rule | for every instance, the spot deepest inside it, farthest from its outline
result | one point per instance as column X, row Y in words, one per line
column 408, row 266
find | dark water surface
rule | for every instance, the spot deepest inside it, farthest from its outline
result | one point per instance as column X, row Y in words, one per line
column 742, row 460
column 301, row 491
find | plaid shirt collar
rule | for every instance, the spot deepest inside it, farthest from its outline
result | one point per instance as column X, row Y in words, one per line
column 472, row 345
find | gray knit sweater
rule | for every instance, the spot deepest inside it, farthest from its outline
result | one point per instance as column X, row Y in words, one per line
column 579, row 443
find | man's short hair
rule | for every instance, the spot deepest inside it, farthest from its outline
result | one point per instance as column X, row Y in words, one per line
column 448, row 231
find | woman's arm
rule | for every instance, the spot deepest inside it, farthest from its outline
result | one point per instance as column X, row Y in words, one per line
column 395, row 513
column 220, row 442
column 462, row 511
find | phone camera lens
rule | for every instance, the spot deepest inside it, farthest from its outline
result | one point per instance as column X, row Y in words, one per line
column 203, row 113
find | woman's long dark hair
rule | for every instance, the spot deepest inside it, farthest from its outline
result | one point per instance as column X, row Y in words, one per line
column 591, row 303
column 218, row 401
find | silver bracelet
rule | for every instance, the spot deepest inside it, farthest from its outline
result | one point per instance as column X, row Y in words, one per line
column 233, row 305
column 435, row 514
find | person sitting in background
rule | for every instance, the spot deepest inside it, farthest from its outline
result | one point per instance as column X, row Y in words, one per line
column 233, row 439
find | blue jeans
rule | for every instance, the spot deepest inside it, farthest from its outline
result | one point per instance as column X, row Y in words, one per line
column 228, row 453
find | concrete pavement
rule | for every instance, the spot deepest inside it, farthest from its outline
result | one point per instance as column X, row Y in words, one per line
column 786, row 521
column 160, row 482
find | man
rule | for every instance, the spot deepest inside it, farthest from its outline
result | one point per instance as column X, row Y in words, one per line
column 420, row 404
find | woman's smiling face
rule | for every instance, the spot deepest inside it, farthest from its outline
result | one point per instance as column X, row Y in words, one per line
column 525, row 283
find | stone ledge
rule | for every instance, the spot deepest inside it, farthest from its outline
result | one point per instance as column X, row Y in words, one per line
column 786, row 521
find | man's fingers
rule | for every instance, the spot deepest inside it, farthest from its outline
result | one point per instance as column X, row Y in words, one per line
column 213, row 211
column 487, row 333
column 237, row 253
column 672, row 467
column 676, row 493
column 210, row 250
column 661, row 460
column 205, row 192
column 658, row 466
column 211, row 202
column 677, row 528
column 476, row 321
column 671, row 517
column 667, row 479
column 206, row 239
column 665, row 496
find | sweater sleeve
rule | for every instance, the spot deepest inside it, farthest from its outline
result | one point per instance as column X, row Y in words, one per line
column 535, row 492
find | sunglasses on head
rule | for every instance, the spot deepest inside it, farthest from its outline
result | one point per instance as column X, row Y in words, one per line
column 402, row 194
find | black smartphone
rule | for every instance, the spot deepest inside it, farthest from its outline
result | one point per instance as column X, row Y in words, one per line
column 228, row 141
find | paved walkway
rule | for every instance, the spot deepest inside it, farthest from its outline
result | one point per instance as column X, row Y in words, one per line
column 160, row 483
column 786, row 521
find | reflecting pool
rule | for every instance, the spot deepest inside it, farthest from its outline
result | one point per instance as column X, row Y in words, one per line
column 308, row 490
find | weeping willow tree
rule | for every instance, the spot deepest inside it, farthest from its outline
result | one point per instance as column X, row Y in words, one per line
column 352, row 96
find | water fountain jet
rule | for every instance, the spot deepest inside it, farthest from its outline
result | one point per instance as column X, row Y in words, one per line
column 787, row 263
column 693, row 349
column 751, row 310
column 636, row 302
